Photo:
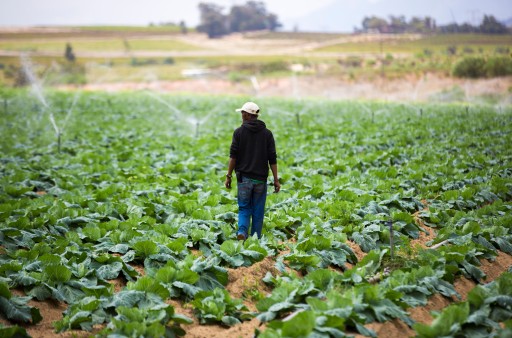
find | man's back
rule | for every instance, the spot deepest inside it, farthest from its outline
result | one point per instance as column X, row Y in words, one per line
column 254, row 148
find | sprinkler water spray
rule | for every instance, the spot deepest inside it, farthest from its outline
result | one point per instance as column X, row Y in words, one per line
column 193, row 121
column 255, row 85
column 37, row 90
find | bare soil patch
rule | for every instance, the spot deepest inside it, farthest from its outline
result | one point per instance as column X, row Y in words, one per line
column 412, row 88
column 250, row 278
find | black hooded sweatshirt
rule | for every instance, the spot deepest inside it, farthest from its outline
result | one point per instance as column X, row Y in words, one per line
column 254, row 149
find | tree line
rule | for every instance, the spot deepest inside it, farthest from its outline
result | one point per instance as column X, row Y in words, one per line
column 251, row 16
column 399, row 24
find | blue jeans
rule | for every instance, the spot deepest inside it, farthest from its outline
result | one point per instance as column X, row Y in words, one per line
column 251, row 203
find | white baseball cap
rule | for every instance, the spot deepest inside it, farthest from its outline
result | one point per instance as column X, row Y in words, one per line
column 250, row 107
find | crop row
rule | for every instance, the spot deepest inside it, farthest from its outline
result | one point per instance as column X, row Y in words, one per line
column 138, row 183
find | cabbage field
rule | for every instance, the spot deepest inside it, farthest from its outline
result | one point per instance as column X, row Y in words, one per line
column 113, row 207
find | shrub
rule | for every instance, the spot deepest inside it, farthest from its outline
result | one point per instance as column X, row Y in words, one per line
column 168, row 61
column 502, row 50
column 468, row 50
column 274, row 66
column 471, row 66
column 351, row 61
column 498, row 66
column 451, row 50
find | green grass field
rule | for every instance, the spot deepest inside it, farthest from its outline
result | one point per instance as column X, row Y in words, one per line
column 99, row 45
column 437, row 43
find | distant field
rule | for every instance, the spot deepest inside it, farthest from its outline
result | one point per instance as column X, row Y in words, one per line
column 87, row 31
column 296, row 36
column 91, row 45
column 125, row 53
column 435, row 43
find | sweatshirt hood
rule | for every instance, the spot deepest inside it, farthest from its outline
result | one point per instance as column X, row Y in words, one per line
column 254, row 125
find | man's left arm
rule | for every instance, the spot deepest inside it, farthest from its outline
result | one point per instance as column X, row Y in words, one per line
column 277, row 185
column 272, row 161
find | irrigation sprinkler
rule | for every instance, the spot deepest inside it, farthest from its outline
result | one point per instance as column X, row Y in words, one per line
column 391, row 241
column 6, row 104
column 193, row 121
column 419, row 111
column 368, row 110
column 296, row 114
column 37, row 91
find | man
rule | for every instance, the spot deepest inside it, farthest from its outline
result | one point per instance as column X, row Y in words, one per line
column 251, row 153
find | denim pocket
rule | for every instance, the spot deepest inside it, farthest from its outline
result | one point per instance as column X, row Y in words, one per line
column 244, row 191
column 259, row 188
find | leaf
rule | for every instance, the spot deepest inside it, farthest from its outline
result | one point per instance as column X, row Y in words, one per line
column 323, row 279
column 147, row 284
column 110, row 271
column 56, row 273
column 145, row 248
column 230, row 321
column 454, row 314
column 16, row 310
column 301, row 325
column 70, row 294
column 504, row 245
column 4, row 291
column 13, row 332
column 127, row 298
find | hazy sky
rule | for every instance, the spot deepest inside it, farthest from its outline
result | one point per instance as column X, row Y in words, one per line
column 340, row 15
column 79, row 12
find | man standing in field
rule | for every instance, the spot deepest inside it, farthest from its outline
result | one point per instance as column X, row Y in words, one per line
column 251, row 153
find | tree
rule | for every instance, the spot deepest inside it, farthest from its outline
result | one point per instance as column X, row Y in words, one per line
column 492, row 26
column 68, row 54
column 213, row 22
column 397, row 24
column 252, row 16
column 375, row 23
column 183, row 27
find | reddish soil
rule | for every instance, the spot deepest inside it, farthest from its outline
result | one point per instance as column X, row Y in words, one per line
column 422, row 314
column 246, row 281
column 437, row 302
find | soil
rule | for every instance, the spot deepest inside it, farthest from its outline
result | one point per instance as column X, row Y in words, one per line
column 246, row 283
column 249, row 278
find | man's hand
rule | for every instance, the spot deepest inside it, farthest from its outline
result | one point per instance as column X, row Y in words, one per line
column 277, row 186
column 228, row 183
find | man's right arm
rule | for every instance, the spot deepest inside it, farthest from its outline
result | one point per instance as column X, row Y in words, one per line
column 229, row 176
